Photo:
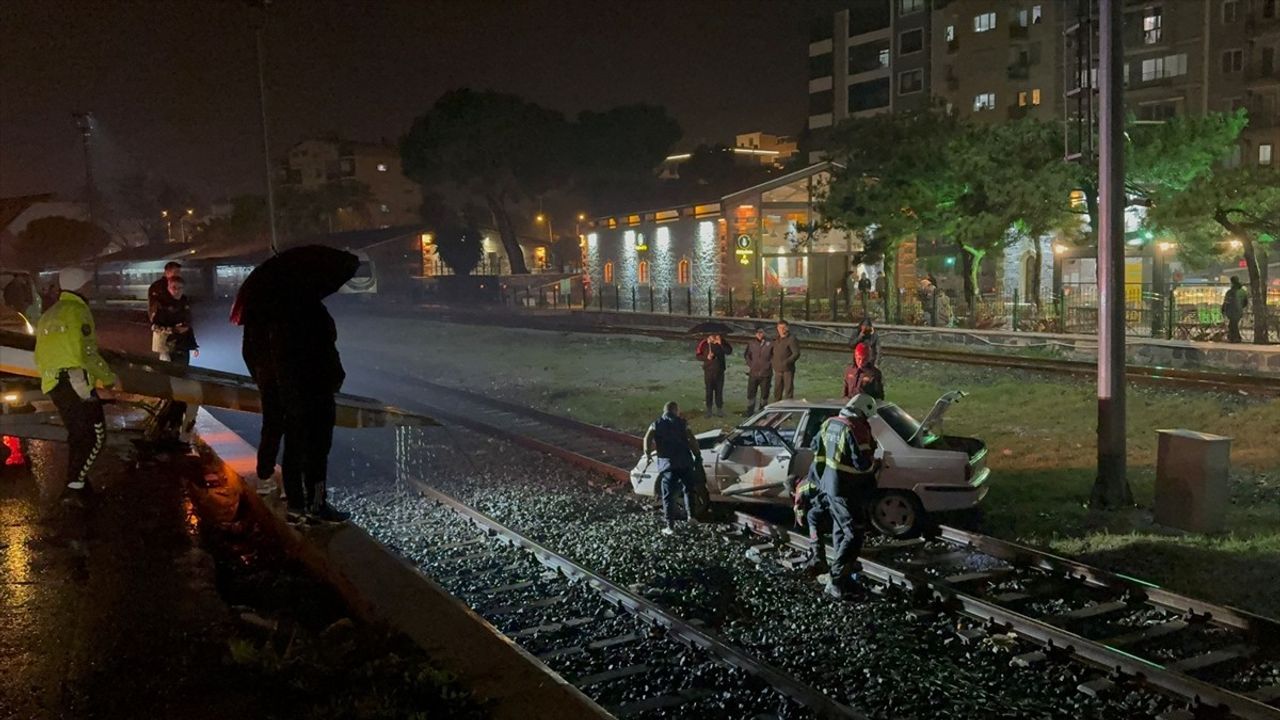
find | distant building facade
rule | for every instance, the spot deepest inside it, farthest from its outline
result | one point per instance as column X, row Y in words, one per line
column 397, row 200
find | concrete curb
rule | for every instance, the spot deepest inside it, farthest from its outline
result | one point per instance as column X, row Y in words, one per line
column 383, row 587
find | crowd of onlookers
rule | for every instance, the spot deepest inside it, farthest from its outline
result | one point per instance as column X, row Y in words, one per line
column 771, row 366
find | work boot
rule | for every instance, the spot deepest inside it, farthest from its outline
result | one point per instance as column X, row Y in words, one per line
column 326, row 513
column 815, row 563
column 845, row 590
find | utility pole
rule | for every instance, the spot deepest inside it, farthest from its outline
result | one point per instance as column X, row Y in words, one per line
column 1111, row 487
column 84, row 123
column 266, row 141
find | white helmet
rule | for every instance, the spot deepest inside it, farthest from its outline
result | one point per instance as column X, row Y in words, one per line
column 860, row 405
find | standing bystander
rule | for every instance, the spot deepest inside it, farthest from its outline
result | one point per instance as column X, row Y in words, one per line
column 1234, row 303
column 786, row 351
column 157, row 294
column 759, row 357
column 172, row 321
column 712, row 351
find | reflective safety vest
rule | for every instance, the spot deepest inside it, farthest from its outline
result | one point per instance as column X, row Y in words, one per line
column 841, row 447
column 66, row 340
column 671, row 435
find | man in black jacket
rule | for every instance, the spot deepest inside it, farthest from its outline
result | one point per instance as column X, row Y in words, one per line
column 712, row 352
column 158, row 295
column 786, row 351
column 759, row 357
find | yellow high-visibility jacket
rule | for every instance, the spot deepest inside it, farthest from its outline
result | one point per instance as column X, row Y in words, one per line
column 66, row 340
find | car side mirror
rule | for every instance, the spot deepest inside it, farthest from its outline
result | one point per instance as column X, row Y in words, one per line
column 726, row 449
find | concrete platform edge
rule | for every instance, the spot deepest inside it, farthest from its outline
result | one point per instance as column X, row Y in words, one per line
column 383, row 587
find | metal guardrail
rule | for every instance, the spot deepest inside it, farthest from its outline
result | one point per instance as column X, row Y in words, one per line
column 154, row 378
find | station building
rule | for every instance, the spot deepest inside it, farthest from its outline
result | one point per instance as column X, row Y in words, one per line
column 765, row 237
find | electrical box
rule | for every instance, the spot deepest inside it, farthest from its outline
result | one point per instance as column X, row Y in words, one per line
column 1191, row 480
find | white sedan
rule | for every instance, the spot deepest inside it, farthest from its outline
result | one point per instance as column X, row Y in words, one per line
column 922, row 470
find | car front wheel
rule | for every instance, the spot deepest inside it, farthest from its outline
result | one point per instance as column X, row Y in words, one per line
column 897, row 514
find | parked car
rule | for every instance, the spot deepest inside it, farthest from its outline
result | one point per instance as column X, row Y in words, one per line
column 922, row 470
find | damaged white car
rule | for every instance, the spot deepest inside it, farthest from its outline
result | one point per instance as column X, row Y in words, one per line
column 922, row 470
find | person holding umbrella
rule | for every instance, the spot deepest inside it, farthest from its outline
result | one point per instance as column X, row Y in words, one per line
column 290, row 346
column 712, row 352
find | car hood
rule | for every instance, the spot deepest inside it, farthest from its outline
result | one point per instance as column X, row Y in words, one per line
column 934, row 419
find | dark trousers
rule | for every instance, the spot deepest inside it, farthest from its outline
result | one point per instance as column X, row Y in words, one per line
column 818, row 518
column 762, row 385
column 86, row 429
column 308, row 436
column 672, row 480
column 272, row 429
column 713, row 384
column 1233, row 330
column 172, row 415
column 784, row 384
column 848, row 510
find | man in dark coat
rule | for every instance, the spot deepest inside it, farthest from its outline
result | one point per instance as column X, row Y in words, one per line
column 759, row 357
column 172, row 321
column 1233, row 307
column 712, row 351
column 862, row 376
column 786, row 351
column 157, row 295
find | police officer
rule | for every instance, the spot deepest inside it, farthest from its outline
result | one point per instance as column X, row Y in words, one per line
column 70, row 369
column 845, row 465
column 670, row 439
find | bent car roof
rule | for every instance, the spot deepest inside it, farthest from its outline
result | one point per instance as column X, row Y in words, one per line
column 802, row 404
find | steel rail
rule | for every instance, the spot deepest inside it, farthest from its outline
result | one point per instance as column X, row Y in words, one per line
column 1051, row 637
column 1206, row 380
column 1093, row 652
column 652, row 613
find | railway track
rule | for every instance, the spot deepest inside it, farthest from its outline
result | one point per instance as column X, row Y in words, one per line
column 1204, row 380
column 626, row 652
column 1217, row 659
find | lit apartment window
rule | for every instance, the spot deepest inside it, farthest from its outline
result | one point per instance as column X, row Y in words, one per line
column 906, row 7
column 382, row 167
column 984, row 22
column 1163, row 67
column 608, row 273
column 883, row 57
column 1151, row 25
column 1036, row 15
column 911, row 41
column 984, row 101
column 1264, row 154
column 911, row 81
column 1230, row 11
column 1035, row 96
column 642, row 272
column 1232, row 61
column 1022, row 98
column 682, row 272
column 951, row 33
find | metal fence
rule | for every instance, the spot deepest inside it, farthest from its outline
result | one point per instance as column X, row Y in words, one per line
column 1189, row 312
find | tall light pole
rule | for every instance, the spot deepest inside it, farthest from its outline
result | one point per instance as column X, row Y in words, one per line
column 1111, row 486
column 84, row 123
column 266, row 141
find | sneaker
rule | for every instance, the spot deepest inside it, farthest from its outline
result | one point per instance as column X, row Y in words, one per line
column 266, row 486
column 668, row 531
column 815, row 564
column 845, row 591
column 327, row 513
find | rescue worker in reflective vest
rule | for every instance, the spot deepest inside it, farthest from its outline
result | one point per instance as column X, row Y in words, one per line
column 70, row 369
column 845, row 465
column 811, row 509
column 676, row 449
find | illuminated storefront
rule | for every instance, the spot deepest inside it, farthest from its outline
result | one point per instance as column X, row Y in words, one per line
column 765, row 238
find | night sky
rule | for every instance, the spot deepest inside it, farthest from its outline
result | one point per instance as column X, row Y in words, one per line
column 174, row 87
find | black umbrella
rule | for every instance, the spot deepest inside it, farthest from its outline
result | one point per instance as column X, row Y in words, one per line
column 300, row 274
column 710, row 327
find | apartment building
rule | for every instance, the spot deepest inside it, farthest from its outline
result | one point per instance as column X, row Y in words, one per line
column 996, row 61
column 872, row 58
column 397, row 200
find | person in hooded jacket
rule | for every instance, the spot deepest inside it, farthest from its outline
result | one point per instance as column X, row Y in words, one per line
column 712, row 351
column 866, row 334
